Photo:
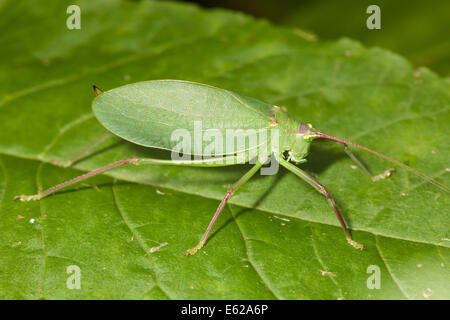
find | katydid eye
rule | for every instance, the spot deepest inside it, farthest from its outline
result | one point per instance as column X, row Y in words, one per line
column 304, row 128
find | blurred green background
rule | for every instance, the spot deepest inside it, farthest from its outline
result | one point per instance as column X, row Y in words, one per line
column 416, row 29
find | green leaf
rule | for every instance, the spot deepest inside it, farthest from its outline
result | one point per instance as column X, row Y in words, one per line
column 278, row 238
column 423, row 44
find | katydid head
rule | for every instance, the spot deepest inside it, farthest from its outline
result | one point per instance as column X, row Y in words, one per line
column 303, row 138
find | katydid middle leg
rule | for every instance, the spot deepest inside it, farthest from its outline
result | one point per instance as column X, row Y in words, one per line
column 229, row 193
column 87, row 149
column 319, row 187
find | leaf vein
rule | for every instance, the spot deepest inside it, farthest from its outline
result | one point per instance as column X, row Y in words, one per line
column 394, row 278
column 257, row 271
column 138, row 238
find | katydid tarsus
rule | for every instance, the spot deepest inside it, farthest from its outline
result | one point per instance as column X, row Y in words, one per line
column 147, row 113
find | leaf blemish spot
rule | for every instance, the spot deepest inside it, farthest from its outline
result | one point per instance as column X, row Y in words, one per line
column 427, row 293
column 16, row 244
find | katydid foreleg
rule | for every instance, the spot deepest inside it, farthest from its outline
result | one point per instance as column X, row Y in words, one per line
column 229, row 193
column 361, row 164
column 319, row 187
column 402, row 165
column 358, row 162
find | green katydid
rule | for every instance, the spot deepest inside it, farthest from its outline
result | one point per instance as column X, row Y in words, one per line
column 147, row 113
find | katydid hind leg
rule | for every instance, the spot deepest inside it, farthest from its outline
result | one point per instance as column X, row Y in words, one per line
column 196, row 163
column 219, row 209
column 323, row 190
column 45, row 193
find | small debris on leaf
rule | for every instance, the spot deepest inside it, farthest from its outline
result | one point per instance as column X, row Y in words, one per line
column 154, row 249
column 92, row 186
column 383, row 175
column 284, row 219
column 327, row 273
column 16, row 244
column 305, row 35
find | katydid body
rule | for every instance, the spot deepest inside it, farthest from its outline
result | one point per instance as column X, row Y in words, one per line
column 148, row 113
